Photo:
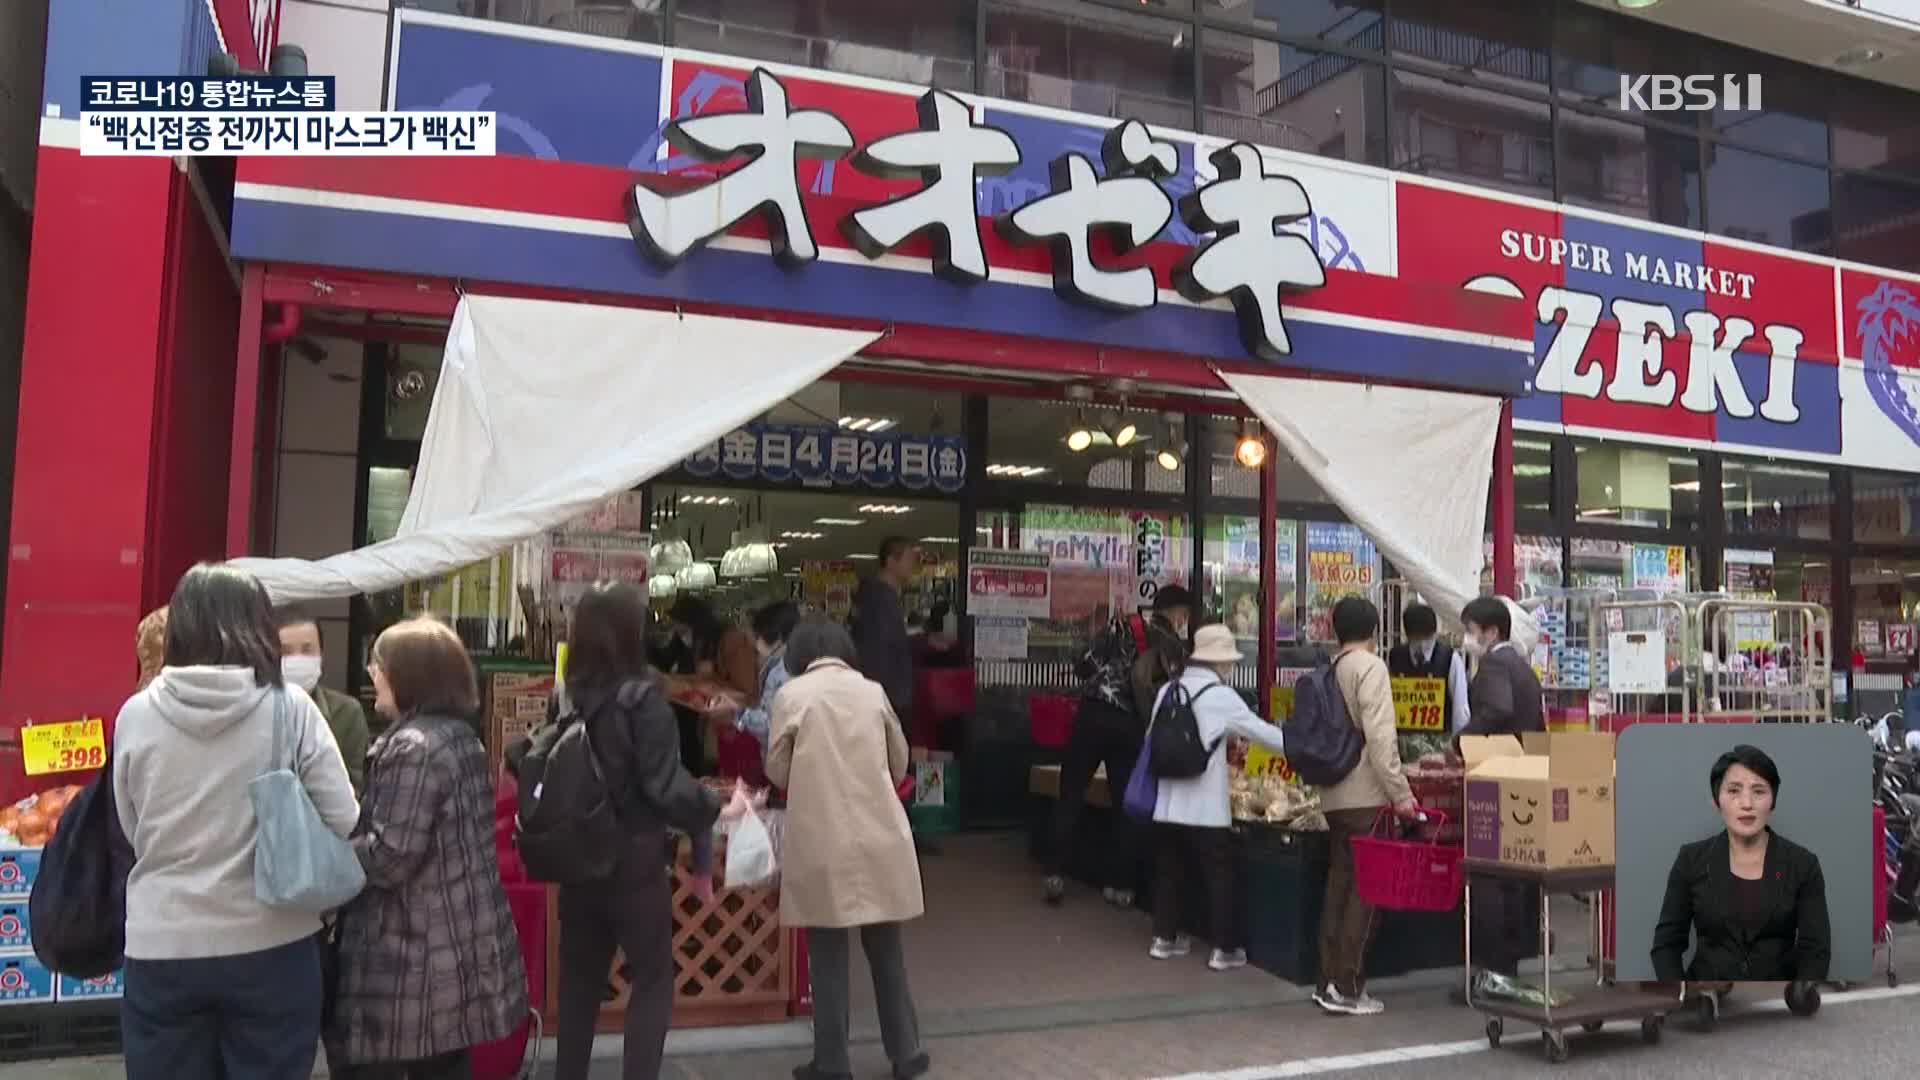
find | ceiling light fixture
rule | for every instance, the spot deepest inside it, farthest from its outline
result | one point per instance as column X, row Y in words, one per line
column 1020, row 471
column 846, row 522
column 1171, row 449
column 868, row 424
column 885, row 508
column 1860, row 57
column 1251, row 449
column 1124, row 431
column 1080, row 436
column 1634, row 5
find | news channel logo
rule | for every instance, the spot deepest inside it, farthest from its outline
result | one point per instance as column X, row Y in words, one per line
column 260, row 115
column 1689, row 93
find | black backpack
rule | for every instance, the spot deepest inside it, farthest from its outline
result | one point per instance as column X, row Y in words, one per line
column 78, row 908
column 1174, row 750
column 1323, row 742
column 567, row 830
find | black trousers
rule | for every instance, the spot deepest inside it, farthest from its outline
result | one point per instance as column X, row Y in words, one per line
column 255, row 1016
column 1185, row 850
column 631, row 911
column 456, row 1066
column 1107, row 735
column 1506, row 925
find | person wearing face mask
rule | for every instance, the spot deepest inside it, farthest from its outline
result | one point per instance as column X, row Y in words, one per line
column 1755, row 901
column 302, row 658
column 1504, row 698
column 1424, row 655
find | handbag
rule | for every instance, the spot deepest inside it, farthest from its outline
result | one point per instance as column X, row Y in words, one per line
column 1143, row 788
column 298, row 862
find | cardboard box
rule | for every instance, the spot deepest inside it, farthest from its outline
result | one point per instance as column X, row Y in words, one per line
column 16, row 931
column 1545, row 801
column 18, row 868
column 107, row 986
column 24, row 981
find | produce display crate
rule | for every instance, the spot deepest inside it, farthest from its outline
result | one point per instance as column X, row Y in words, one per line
column 78, row 1029
column 1284, row 884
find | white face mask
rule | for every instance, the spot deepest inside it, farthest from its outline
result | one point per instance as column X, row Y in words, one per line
column 1474, row 646
column 301, row 671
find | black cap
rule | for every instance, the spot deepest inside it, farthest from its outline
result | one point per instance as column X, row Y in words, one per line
column 1168, row 597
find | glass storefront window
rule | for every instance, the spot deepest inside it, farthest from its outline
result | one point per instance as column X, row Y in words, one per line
column 1767, row 200
column 1278, row 95
column 1648, row 487
column 1105, row 562
column 1630, row 169
column 1471, row 135
column 928, row 43
column 1886, row 507
column 1625, row 565
column 1593, row 48
column 1886, row 592
column 629, row 22
column 1532, row 476
column 1091, row 58
column 1501, row 43
column 1778, row 498
column 1870, row 124
column 413, row 371
column 1029, row 443
column 1341, row 561
column 1793, row 119
column 1537, row 565
column 1871, row 219
column 1354, row 24
column 1790, row 576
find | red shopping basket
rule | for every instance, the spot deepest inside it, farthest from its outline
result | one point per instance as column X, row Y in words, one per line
column 1406, row 875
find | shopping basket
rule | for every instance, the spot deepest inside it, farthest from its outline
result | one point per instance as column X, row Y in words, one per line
column 1406, row 875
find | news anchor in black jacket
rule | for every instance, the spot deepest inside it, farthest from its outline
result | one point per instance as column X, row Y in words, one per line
column 1755, row 900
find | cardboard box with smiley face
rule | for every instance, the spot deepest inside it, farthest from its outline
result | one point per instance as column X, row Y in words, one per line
column 1544, row 801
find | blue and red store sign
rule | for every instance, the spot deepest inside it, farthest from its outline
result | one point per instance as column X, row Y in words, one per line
column 633, row 169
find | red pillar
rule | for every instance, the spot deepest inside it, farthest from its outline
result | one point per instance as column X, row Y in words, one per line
column 246, row 414
column 1269, row 574
column 1501, row 495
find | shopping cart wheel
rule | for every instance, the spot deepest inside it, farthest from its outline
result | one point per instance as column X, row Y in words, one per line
column 1706, row 1010
column 1893, row 979
column 1650, row 1029
column 1803, row 999
column 1495, row 1028
column 1592, row 1026
column 1556, row 1043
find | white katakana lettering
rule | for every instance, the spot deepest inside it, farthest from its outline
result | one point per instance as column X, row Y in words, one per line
column 1129, row 205
column 772, row 138
column 1252, row 258
column 948, row 154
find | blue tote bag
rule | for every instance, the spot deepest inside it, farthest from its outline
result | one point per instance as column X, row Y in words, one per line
column 298, row 863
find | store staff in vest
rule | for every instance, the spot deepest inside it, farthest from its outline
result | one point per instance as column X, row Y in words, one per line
column 302, row 658
column 1424, row 655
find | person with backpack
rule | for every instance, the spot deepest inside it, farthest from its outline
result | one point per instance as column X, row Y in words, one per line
column 218, row 984
column 1352, row 694
column 1120, row 673
column 429, row 960
column 1192, row 717
column 599, row 788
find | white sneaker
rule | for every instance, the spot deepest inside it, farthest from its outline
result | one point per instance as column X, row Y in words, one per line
column 1334, row 1001
column 1167, row 950
column 1228, row 959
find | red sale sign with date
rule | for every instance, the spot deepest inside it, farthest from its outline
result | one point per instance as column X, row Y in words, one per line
column 1009, row 584
column 49, row 748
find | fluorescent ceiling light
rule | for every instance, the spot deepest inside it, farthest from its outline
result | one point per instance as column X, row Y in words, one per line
column 847, row 522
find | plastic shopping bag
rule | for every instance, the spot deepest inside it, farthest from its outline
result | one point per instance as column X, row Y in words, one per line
column 750, row 858
column 1143, row 789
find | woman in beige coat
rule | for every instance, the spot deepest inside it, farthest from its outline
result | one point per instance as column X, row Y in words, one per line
column 837, row 750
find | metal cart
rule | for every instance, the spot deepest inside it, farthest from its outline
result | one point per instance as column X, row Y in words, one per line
column 1594, row 1008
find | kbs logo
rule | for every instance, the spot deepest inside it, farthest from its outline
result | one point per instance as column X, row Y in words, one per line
column 1691, row 93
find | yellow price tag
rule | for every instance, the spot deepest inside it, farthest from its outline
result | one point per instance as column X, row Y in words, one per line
column 1419, row 703
column 1264, row 762
column 47, row 748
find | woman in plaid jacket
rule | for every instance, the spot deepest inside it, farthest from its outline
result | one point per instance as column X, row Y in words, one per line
column 429, row 961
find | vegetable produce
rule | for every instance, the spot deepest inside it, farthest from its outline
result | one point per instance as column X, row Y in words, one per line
column 32, row 821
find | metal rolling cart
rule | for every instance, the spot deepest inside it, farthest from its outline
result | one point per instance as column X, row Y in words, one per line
column 1594, row 1008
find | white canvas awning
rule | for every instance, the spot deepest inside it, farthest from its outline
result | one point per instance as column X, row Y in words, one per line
column 544, row 409
column 1410, row 467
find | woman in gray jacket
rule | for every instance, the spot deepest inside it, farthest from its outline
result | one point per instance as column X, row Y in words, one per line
column 217, row 983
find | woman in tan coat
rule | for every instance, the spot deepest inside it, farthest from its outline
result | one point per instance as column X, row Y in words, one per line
column 837, row 749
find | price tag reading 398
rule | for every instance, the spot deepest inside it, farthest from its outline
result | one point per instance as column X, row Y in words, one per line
column 48, row 748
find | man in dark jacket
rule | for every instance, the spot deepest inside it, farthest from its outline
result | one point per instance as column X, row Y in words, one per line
column 1121, row 675
column 1503, row 699
column 880, row 624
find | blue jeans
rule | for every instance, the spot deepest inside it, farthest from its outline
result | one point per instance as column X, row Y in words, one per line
column 255, row 1016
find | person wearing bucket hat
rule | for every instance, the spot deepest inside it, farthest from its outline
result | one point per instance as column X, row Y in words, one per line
column 1119, row 673
column 1191, row 817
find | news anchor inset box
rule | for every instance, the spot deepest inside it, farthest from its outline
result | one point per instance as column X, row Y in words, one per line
column 1824, row 804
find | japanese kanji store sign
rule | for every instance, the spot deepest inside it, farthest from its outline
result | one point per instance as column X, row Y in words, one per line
column 817, row 455
column 1246, row 255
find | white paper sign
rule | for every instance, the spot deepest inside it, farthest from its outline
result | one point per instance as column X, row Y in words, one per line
column 1637, row 662
column 1000, row 639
